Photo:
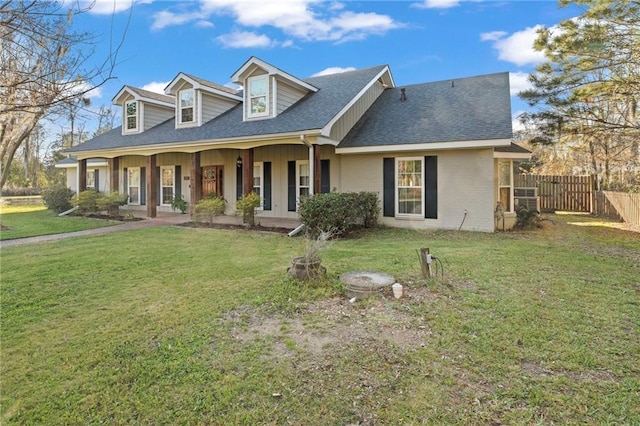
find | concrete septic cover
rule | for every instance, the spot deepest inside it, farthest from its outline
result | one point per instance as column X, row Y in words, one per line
column 361, row 284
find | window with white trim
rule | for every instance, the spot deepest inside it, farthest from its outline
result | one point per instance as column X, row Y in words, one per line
column 258, row 183
column 409, row 186
column 131, row 116
column 187, row 109
column 258, row 96
column 302, row 178
column 133, row 180
column 166, row 185
column 505, row 177
column 91, row 179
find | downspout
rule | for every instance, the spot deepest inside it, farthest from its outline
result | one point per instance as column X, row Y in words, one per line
column 311, row 162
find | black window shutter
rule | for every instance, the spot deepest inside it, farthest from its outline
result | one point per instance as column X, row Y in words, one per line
column 96, row 179
column 158, row 187
column 291, row 186
column 142, row 191
column 388, row 187
column 178, row 182
column 431, row 187
column 266, row 188
column 125, row 185
column 238, row 181
column 325, row 182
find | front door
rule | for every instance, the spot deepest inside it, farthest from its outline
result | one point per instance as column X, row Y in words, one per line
column 212, row 180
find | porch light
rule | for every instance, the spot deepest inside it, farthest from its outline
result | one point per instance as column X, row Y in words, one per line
column 239, row 162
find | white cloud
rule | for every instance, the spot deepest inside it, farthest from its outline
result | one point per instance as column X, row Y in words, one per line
column 308, row 20
column 516, row 48
column 516, row 124
column 519, row 81
column 204, row 24
column 437, row 4
column 245, row 39
column 107, row 7
column 156, row 86
column 333, row 70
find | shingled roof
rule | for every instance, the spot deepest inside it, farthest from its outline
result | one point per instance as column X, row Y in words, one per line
column 312, row 112
column 472, row 108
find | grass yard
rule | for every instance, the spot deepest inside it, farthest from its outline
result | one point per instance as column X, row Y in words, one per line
column 200, row 326
column 30, row 220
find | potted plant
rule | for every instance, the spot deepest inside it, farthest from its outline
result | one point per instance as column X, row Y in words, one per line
column 179, row 203
column 309, row 266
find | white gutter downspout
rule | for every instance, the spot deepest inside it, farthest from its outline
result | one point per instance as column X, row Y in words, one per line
column 311, row 162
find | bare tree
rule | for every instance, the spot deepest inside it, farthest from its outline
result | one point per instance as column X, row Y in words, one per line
column 43, row 64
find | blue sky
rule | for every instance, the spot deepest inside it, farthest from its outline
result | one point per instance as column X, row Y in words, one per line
column 421, row 40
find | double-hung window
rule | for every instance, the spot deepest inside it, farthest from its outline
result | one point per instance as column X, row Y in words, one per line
column 134, row 185
column 187, row 106
column 302, row 178
column 131, row 115
column 258, row 96
column 91, row 180
column 166, row 178
column 258, row 183
column 409, row 186
column 504, row 184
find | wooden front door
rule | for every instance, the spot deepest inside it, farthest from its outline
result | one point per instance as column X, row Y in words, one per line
column 212, row 180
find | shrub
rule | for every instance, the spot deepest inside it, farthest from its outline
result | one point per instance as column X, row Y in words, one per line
column 339, row 212
column 21, row 192
column 179, row 203
column 208, row 208
column 87, row 201
column 527, row 219
column 248, row 205
column 57, row 198
column 111, row 203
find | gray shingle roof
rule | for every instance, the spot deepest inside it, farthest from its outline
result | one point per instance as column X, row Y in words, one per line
column 313, row 111
column 513, row 148
column 212, row 84
column 152, row 95
column 472, row 108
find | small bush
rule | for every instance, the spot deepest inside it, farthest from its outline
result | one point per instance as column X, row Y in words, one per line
column 21, row 192
column 527, row 219
column 111, row 203
column 339, row 212
column 208, row 208
column 57, row 198
column 247, row 205
column 87, row 201
column 179, row 203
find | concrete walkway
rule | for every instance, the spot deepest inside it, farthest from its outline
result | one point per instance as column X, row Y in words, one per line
column 161, row 220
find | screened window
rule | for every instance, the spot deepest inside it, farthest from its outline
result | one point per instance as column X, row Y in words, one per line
column 258, row 96
column 166, row 177
column 134, row 185
column 504, row 184
column 258, row 182
column 409, row 186
column 131, row 115
column 91, row 180
column 187, row 106
column 302, row 178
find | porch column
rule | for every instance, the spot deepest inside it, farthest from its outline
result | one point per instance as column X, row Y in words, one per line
column 312, row 164
column 152, row 185
column 114, row 174
column 195, row 179
column 316, row 169
column 247, row 171
column 82, row 175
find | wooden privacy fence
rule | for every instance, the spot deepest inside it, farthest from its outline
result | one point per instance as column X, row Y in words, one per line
column 622, row 206
column 566, row 193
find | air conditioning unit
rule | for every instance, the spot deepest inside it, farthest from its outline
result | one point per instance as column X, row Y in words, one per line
column 527, row 197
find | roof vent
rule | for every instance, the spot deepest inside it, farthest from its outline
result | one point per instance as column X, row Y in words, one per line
column 453, row 84
column 403, row 95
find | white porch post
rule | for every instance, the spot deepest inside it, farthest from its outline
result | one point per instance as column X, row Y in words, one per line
column 311, row 169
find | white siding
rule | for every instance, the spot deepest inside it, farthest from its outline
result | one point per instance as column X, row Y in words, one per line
column 287, row 95
column 465, row 183
column 154, row 115
column 355, row 112
column 213, row 106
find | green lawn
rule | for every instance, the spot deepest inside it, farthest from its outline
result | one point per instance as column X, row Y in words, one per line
column 30, row 220
column 198, row 326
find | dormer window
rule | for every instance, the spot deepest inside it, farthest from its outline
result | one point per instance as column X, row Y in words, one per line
column 258, row 96
column 131, row 115
column 186, row 101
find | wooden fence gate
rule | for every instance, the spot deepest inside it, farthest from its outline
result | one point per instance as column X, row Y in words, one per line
column 566, row 193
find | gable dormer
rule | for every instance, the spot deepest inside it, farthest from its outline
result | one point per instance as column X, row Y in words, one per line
column 142, row 109
column 268, row 91
column 198, row 101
